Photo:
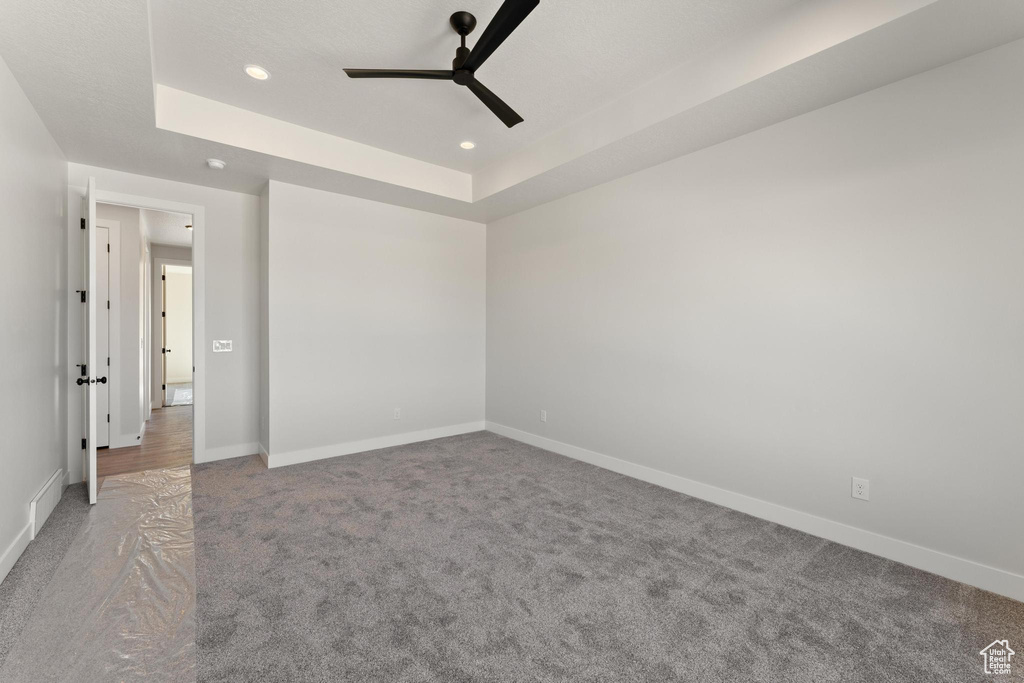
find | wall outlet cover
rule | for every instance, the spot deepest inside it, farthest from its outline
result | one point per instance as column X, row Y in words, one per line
column 860, row 488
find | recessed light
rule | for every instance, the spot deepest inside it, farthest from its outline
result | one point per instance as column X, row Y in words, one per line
column 216, row 164
column 257, row 72
column 467, row 145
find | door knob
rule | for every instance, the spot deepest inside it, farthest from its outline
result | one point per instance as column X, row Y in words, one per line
column 81, row 380
column 101, row 380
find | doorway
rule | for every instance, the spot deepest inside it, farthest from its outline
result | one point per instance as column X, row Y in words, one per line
column 176, row 327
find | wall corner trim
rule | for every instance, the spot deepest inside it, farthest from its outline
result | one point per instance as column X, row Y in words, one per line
column 959, row 569
column 372, row 444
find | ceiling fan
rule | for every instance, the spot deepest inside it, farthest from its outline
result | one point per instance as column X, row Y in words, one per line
column 466, row 62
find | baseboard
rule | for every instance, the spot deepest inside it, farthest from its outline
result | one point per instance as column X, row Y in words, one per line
column 44, row 502
column 264, row 456
column 227, row 452
column 333, row 451
column 14, row 551
column 957, row 568
column 66, row 481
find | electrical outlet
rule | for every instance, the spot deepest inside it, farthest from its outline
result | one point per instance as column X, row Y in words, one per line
column 398, row 413
column 860, row 489
column 543, row 416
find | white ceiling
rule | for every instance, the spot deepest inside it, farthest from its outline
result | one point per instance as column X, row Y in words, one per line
column 564, row 60
column 603, row 94
column 164, row 227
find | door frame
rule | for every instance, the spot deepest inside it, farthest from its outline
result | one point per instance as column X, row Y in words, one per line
column 158, row 267
column 198, row 213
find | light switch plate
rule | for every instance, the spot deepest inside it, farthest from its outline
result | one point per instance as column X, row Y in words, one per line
column 222, row 346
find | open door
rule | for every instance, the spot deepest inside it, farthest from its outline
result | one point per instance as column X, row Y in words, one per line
column 92, row 374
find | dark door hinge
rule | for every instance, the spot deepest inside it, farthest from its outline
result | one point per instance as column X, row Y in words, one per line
column 83, row 228
column 84, row 444
column 108, row 417
column 108, row 248
column 163, row 387
column 108, row 304
column 163, row 277
column 163, row 314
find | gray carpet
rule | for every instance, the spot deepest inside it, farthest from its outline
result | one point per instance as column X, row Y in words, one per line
column 478, row 558
column 21, row 590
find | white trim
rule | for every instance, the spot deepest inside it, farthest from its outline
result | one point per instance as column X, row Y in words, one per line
column 14, row 551
column 264, row 456
column 198, row 213
column 956, row 568
column 322, row 452
column 226, row 452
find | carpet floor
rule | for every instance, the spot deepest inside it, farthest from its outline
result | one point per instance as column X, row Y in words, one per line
column 26, row 583
column 478, row 558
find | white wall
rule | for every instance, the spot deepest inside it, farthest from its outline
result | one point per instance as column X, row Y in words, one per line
column 264, row 430
column 33, row 178
column 126, row 356
column 371, row 307
column 838, row 295
column 232, row 303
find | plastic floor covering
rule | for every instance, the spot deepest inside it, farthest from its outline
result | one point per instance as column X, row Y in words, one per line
column 121, row 604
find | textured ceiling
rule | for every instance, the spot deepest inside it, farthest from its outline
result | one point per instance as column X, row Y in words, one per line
column 566, row 59
column 88, row 69
column 164, row 227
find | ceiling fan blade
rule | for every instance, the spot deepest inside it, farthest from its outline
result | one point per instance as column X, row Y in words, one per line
column 507, row 19
column 400, row 73
column 504, row 112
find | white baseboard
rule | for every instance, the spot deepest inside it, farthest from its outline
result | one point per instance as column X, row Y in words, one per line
column 264, row 456
column 333, row 451
column 957, row 568
column 227, row 452
column 14, row 551
column 44, row 502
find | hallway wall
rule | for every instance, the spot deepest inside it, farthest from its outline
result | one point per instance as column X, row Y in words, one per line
column 33, row 174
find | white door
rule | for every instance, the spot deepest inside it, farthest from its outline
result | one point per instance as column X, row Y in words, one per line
column 103, row 336
column 91, row 356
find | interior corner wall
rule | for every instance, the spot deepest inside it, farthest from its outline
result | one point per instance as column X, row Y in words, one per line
column 837, row 295
column 33, row 177
column 231, row 304
column 264, row 428
column 371, row 308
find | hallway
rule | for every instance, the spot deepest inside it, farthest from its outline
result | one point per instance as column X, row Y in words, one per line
column 166, row 443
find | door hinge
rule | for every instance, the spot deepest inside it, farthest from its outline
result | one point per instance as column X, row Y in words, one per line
column 83, row 228
column 108, row 248
column 108, row 304
column 82, row 292
column 84, row 446
column 163, row 277
column 163, row 387
column 163, row 350
column 163, row 314
column 108, row 417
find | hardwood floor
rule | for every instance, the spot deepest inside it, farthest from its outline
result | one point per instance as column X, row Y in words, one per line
column 167, row 443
